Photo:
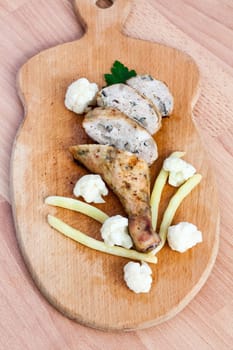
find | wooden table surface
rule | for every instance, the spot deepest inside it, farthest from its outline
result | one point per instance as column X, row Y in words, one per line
column 203, row 29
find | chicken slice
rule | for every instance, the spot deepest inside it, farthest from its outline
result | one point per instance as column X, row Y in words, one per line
column 128, row 177
column 130, row 102
column 109, row 126
column 155, row 90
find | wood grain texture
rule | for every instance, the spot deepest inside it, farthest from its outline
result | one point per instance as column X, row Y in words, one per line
column 76, row 280
column 27, row 28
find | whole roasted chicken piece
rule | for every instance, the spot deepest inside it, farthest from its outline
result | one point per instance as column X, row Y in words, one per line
column 128, row 177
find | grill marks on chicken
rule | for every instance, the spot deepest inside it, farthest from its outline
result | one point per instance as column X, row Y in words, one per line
column 128, row 177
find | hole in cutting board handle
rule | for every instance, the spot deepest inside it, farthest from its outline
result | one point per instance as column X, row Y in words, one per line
column 104, row 4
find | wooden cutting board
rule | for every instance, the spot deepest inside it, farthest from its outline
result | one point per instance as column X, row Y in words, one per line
column 86, row 285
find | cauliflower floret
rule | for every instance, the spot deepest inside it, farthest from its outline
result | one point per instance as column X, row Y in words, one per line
column 80, row 94
column 114, row 231
column 91, row 188
column 183, row 236
column 179, row 170
column 138, row 277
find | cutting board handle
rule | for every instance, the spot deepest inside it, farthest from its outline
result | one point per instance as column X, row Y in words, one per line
column 102, row 21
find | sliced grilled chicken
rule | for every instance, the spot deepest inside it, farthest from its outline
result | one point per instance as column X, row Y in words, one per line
column 155, row 90
column 128, row 176
column 112, row 127
column 128, row 101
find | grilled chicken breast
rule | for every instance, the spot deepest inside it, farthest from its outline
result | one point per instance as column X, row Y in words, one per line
column 127, row 100
column 112, row 127
column 128, row 177
column 155, row 90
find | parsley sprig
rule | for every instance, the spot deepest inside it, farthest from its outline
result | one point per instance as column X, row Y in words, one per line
column 120, row 74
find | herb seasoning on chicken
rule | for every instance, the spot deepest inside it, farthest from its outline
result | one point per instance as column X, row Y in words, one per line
column 128, row 177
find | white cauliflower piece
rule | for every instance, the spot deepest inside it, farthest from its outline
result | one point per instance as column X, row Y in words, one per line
column 138, row 277
column 91, row 188
column 183, row 236
column 114, row 231
column 179, row 170
column 80, row 95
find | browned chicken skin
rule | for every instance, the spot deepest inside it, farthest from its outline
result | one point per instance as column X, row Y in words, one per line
column 128, row 177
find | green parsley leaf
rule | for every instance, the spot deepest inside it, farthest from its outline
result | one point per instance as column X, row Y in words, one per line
column 120, row 74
